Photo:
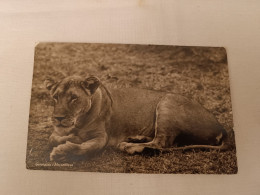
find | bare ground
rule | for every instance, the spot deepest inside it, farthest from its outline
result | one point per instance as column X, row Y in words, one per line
column 196, row 72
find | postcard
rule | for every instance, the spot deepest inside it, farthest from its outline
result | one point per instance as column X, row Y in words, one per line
column 129, row 108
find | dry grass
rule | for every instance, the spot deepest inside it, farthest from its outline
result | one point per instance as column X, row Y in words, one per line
column 196, row 72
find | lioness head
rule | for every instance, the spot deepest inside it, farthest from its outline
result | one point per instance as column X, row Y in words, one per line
column 72, row 98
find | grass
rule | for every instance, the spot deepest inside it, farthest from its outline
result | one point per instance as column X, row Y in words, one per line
column 196, row 72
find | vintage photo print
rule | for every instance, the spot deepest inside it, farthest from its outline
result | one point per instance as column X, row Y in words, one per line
column 121, row 108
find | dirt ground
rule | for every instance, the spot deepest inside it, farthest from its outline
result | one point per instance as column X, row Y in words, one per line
column 199, row 73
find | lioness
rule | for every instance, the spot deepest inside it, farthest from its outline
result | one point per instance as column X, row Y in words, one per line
column 89, row 116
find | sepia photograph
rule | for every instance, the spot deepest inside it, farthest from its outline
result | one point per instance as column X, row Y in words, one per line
column 129, row 108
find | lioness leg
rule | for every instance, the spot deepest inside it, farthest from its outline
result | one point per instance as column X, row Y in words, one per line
column 165, row 126
column 69, row 150
column 165, row 131
column 156, row 144
column 56, row 140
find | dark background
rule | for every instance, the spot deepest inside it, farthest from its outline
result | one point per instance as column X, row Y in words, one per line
column 200, row 73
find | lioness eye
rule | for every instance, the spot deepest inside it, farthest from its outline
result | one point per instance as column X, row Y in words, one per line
column 74, row 98
column 55, row 97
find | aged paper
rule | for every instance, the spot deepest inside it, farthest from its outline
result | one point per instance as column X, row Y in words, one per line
column 232, row 24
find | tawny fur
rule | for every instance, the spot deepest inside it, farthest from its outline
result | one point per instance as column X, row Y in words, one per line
column 89, row 116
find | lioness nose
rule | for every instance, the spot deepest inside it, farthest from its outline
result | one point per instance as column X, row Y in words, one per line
column 60, row 118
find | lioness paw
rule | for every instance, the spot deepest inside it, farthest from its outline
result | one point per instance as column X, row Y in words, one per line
column 62, row 152
column 131, row 148
column 121, row 146
column 74, row 139
column 57, row 155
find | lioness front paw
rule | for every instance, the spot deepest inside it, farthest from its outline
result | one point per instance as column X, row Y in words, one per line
column 74, row 139
column 62, row 152
column 58, row 154
column 57, row 157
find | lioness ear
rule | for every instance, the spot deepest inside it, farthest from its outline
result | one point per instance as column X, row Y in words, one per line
column 49, row 83
column 91, row 83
